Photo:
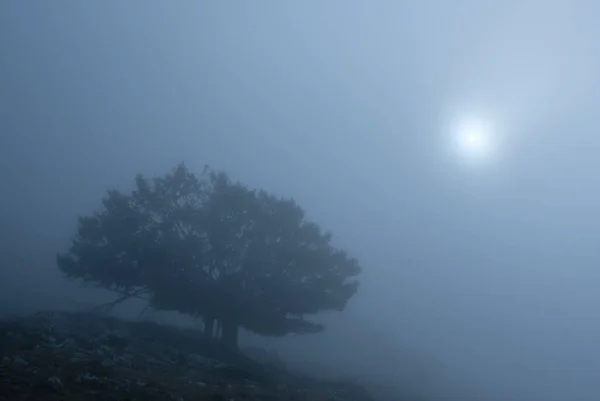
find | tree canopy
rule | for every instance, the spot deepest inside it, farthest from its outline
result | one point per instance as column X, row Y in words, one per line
column 211, row 248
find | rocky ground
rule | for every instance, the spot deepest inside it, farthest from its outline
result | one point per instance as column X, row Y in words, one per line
column 84, row 356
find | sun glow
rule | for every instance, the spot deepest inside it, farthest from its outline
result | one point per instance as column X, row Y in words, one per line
column 472, row 135
column 472, row 138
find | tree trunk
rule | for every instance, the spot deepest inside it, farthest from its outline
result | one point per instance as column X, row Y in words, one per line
column 209, row 325
column 218, row 330
column 229, row 336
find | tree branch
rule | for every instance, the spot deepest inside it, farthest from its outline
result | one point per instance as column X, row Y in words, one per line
column 107, row 307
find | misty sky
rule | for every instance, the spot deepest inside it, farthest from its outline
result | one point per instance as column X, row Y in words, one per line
column 489, row 270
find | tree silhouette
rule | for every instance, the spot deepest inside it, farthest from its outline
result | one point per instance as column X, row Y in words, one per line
column 211, row 248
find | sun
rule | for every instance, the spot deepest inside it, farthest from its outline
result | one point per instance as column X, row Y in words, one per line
column 472, row 137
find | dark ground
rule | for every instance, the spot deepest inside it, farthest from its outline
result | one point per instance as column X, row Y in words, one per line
column 85, row 356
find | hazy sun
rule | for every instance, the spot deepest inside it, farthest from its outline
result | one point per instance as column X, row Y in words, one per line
column 472, row 135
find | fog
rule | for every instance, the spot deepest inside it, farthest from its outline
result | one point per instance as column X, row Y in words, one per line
column 480, row 277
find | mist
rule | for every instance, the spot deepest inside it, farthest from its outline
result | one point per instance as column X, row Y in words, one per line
column 479, row 279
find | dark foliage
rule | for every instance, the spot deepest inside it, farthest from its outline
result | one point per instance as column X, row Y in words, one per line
column 211, row 248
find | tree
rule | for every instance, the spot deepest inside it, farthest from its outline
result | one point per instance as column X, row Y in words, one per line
column 109, row 248
column 211, row 248
column 146, row 243
column 174, row 205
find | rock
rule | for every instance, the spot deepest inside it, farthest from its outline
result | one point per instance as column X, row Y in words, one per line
column 20, row 361
column 267, row 357
column 107, row 363
column 87, row 377
column 69, row 343
column 198, row 359
column 55, row 382
column 117, row 341
column 90, row 380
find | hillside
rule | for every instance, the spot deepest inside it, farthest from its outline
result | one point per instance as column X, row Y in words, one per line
column 84, row 356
